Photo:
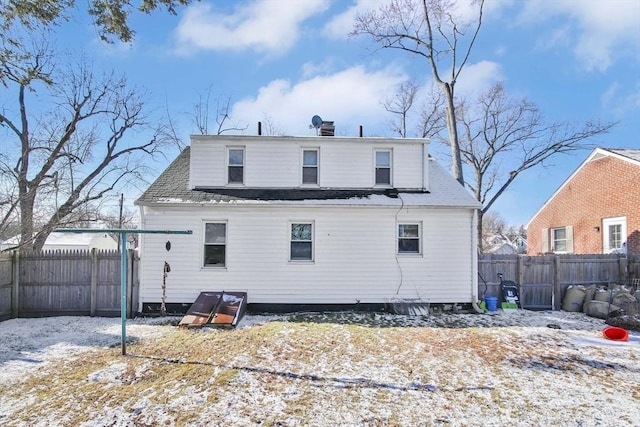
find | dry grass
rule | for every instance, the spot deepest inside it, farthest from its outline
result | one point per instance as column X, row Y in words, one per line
column 315, row 373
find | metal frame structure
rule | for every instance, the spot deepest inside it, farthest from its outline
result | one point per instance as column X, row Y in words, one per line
column 123, row 264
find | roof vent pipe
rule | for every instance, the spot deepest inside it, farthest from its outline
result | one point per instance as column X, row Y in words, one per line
column 259, row 128
column 360, row 131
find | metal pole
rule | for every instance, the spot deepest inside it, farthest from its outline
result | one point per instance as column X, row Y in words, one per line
column 123, row 289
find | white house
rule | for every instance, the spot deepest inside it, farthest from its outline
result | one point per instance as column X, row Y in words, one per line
column 306, row 221
column 70, row 242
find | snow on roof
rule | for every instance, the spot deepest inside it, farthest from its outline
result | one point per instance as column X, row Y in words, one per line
column 61, row 239
column 172, row 187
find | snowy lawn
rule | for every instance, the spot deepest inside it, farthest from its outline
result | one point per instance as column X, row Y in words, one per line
column 319, row 370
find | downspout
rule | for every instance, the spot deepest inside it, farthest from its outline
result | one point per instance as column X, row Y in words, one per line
column 474, row 261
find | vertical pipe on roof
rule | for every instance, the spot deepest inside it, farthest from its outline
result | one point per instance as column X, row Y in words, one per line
column 360, row 131
column 259, row 128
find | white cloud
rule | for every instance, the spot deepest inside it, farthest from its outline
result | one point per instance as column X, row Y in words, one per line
column 263, row 26
column 600, row 31
column 341, row 25
column 350, row 98
column 478, row 77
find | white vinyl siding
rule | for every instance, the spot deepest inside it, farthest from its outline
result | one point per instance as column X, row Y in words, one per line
column 354, row 253
column 271, row 163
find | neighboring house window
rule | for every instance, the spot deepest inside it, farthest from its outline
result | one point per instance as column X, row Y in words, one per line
column 310, row 166
column 235, row 171
column 301, row 242
column 614, row 234
column 557, row 240
column 215, row 244
column 409, row 238
column 383, row 167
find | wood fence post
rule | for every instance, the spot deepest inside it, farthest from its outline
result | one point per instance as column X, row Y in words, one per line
column 520, row 274
column 15, row 290
column 623, row 272
column 557, row 288
column 94, row 281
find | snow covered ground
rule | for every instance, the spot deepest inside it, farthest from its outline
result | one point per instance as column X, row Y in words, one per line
column 517, row 368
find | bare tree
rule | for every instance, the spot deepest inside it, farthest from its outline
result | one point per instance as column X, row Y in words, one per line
column 433, row 30
column 64, row 158
column 399, row 105
column 201, row 114
column 502, row 137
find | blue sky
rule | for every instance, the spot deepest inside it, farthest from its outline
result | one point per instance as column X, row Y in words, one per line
column 283, row 61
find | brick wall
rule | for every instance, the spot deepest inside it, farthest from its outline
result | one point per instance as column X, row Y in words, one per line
column 602, row 188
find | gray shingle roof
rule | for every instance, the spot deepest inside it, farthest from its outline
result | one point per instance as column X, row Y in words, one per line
column 172, row 187
column 626, row 152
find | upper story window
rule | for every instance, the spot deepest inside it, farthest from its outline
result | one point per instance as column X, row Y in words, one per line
column 235, row 166
column 310, row 166
column 301, row 242
column 409, row 238
column 383, row 167
column 215, row 244
column 559, row 239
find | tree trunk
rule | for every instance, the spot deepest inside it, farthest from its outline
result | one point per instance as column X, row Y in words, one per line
column 450, row 112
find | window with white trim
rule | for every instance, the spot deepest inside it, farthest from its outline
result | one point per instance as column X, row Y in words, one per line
column 409, row 238
column 557, row 240
column 215, row 244
column 235, row 165
column 383, row 167
column 301, row 241
column 614, row 234
column 310, row 165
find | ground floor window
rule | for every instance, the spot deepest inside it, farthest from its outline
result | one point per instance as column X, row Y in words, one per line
column 215, row 244
column 301, row 242
column 409, row 238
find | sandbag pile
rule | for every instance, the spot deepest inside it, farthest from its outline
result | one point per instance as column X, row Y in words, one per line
column 598, row 301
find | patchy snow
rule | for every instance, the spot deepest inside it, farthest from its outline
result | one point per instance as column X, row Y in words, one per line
column 535, row 368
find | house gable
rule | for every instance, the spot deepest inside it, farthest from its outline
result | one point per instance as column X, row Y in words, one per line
column 577, row 216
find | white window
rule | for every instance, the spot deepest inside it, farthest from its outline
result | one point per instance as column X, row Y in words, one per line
column 614, row 234
column 215, row 244
column 557, row 240
column 383, row 167
column 301, row 242
column 409, row 239
column 310, row 166
column 235, row 166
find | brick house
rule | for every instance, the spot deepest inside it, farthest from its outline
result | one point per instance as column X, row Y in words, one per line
column 596, row 210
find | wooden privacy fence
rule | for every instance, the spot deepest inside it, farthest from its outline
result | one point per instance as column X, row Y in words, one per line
column 59, row 283
column 544, row 279
column 37, row 284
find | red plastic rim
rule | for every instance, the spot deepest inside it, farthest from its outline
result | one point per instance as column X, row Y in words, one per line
column 616, row 334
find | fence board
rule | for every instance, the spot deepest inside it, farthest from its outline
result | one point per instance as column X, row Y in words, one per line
column 6, row 285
